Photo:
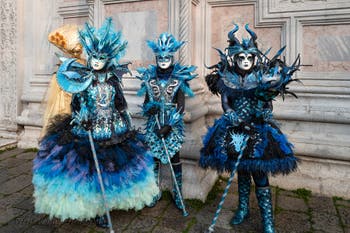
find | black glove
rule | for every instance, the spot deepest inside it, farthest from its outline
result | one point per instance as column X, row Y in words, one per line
column 87, row 125
column 164, row 131
column 153, row 110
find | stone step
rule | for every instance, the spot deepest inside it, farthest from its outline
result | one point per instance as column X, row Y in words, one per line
column 6, row 143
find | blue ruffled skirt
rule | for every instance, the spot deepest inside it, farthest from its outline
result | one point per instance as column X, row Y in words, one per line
column 66, row 183
column 267, row 150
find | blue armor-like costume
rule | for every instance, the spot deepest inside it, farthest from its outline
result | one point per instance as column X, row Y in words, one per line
column 165, row 91
column 246, row 97
column 64, row 176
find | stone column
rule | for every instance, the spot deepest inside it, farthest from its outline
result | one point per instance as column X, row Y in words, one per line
column 40, row 17
column 38, row 66
column 184, row 30
column 91, row 11
column 8, row 70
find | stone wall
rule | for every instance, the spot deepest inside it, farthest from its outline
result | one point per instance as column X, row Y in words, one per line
column 318, row 122
column 9, row 100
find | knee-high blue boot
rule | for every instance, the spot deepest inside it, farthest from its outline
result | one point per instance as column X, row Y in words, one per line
column 242, row 211
column 178, row 175
column 265, row 203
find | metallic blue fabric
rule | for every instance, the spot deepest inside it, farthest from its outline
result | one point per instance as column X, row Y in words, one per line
column 70, row 81
column 95, row 94
column 183, row 74
column 97, row 105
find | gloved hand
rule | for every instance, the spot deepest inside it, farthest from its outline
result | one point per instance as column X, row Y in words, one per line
column 87, row 125
column 153, row 110
column 164, row 131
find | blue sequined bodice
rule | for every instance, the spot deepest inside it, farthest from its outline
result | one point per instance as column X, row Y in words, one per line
column 164, row 85
column 105, row 118
column 164, row 88
column 241, row 94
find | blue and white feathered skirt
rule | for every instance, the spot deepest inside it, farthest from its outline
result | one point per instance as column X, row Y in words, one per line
column 65, row 179
column 267, row 149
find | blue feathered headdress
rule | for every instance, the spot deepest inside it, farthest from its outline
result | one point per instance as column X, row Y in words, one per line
column 104, row 42
column 248, row 45
column 166, row 45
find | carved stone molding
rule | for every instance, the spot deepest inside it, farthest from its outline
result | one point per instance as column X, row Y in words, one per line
column 185, row 30
column 173, row 11
column 304, row 7
column 8, row 68
column 91, row 11
column 293, row 15
column 74, row 10
column 119, row 1
column 96, row 9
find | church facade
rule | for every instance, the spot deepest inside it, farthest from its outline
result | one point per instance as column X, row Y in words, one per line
column 317, row 122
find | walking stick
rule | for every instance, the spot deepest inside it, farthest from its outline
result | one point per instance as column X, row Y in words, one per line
column 241, row 143
column 101, row 182
column 184, row 212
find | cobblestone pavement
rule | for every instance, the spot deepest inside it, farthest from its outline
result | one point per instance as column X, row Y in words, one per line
column 295, row 211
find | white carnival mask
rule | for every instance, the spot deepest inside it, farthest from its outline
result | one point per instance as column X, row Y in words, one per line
column 164, row 62
column 98, row 63
column 245, row 61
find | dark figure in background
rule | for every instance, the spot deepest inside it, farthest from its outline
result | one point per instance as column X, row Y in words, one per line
column 247, row 82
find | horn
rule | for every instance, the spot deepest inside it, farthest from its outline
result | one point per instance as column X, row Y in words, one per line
column 253, row 38
column 297, row 61
column 251, row 33
column 231, row 35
